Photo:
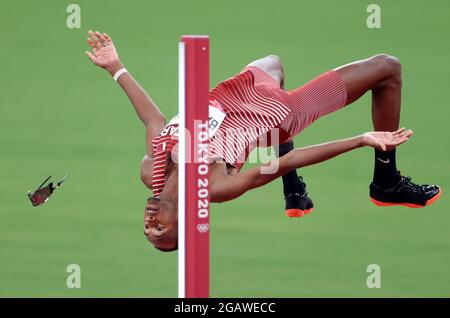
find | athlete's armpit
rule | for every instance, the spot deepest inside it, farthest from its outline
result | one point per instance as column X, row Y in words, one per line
column 147, row 171
column 151, row 131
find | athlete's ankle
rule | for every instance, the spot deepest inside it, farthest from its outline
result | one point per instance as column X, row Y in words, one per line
column 292, row 183
column 385, row 173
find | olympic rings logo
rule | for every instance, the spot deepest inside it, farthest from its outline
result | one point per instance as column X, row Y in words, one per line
column 203, row 227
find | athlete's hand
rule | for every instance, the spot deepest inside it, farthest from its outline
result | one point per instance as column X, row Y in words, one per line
column 385, row 140
column 103, row 53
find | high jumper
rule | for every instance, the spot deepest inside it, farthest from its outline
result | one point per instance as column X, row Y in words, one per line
column 256, row 107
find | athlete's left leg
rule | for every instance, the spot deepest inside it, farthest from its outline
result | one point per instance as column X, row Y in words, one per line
column 271, row 65
column 382, row 75
column 297, row 201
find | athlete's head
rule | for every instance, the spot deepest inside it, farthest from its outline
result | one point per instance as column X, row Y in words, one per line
column 161, row 212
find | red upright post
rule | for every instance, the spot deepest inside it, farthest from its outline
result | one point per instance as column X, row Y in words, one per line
column 193, row 212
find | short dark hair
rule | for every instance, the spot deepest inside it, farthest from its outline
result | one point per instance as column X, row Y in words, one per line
column 167, row 249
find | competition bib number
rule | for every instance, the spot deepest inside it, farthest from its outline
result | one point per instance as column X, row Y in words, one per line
column 216, row 117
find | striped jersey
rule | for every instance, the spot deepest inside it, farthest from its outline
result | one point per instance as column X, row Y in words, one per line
column 248, row 116
column 162, row 147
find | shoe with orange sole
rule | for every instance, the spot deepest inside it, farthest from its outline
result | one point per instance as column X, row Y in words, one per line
column 298, row 205
column 405, row 193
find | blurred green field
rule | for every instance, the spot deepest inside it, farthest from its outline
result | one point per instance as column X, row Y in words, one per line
column 59, row 113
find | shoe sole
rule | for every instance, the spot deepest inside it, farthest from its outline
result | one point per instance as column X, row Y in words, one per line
column 409, row 205
column 296, row 213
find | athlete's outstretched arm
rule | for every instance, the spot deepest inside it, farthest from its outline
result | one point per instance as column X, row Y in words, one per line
column 231, row 187
column 104, row 55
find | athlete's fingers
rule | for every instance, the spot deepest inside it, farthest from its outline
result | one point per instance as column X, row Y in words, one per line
column 405, row 133
column 95, row 39
column 101, row 38
column 400, row 140
column 381, row 146
column 409, row 133
column 107, row 38
column 92, row 36
column 399, row 131
column 91, row 44
column 401, row 137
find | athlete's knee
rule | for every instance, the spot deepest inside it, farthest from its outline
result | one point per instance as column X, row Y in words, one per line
column 277, row 63
column 390, row 64
column 276, row 60
column 276, row 68
column 272, row 65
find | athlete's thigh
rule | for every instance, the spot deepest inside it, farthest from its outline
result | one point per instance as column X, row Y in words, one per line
column 272, row 65
column 361, row 76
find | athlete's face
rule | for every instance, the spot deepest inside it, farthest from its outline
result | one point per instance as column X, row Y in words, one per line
column 161, row 223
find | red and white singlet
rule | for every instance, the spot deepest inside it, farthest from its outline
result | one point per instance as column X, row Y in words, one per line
column 253, row 104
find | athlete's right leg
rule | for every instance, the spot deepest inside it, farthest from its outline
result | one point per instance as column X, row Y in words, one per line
column 380, row 74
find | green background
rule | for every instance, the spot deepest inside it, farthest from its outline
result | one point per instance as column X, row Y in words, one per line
column 61, row 114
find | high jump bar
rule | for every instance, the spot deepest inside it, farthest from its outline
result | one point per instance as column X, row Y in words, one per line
column 193, row 190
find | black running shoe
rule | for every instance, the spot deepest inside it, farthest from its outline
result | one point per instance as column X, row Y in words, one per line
column 405, row 193
column 298, row 204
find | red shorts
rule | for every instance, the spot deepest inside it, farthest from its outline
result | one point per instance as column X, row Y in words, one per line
column 257, row 108
column 320, row 96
